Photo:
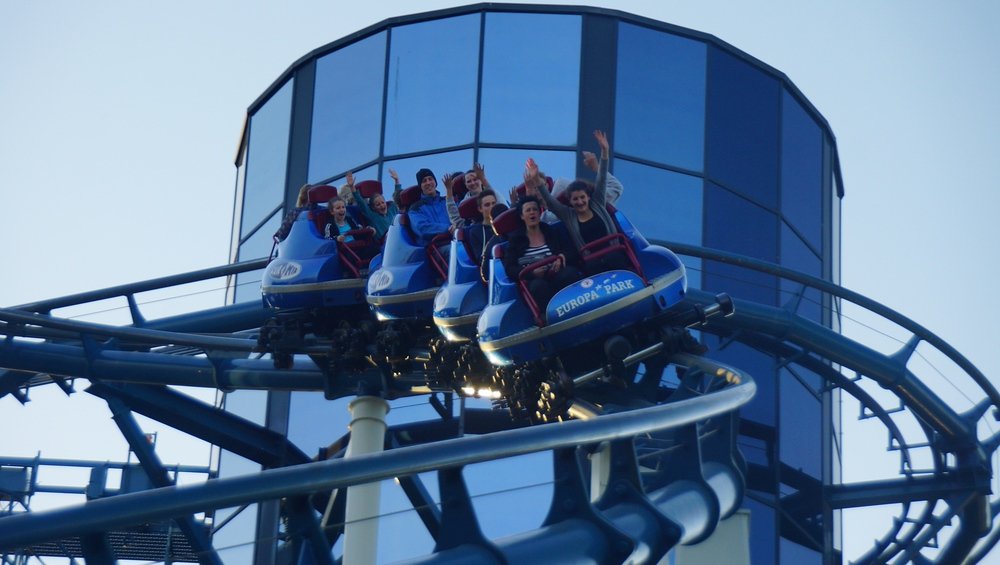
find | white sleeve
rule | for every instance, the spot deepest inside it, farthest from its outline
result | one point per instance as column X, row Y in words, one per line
column 614, row 189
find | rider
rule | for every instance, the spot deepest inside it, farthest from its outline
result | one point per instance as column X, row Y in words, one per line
column 429, row 215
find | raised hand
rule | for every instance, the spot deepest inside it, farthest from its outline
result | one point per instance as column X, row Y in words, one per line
column 394, row 175
column 530, row 173
column 590, row 160
column 480, row 172
column 602, row 140
column 449, row 180
column 350, row 178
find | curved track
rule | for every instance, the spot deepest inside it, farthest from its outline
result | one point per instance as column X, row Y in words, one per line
column 664, row 453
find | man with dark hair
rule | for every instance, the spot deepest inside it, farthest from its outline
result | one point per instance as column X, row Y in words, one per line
column 429, row 215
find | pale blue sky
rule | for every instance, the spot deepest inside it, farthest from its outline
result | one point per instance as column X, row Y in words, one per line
column 119, row 122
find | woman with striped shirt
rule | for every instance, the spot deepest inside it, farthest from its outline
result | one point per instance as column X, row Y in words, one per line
column 534, row 242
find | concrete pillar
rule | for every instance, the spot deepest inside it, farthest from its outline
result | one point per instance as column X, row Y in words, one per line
column 600, row 470
column 367, row 436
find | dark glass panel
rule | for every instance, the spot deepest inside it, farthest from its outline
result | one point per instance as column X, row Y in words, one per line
column 259, row 245
column 439, row 163
column 505, row 167
column 660, row 101
column 531, row 79
column 239, row 532
column 762, row 532
column 316, row 422
column 516, row 510
column 736, row 225
column 369, row 173
column 756, row 364
column 800, row 444
column 347, row 108
column 665, row 205
column 241, row 171
column 795, row 554
column 796, row 255
column 432, row 84
column 801, row 171
column 742, row 128
column 754, row 450
column 267, row 158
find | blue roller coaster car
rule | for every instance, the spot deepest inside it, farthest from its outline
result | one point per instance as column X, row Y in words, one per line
column 310, row 271
column 407, row 274
column 316, row 285
column 512, row 330
column 461, row 300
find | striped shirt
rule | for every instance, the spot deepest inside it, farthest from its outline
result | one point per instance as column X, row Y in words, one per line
column 532, row 254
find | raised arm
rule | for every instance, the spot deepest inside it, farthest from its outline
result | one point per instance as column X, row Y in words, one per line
column 601, row 185
column 481, row 174
column 359, row 200
column 396, row 187
column 449, row 201
column 551, row 202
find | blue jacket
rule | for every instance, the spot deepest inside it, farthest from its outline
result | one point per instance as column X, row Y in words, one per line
column 429, row 217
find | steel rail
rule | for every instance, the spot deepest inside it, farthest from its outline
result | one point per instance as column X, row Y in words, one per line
column 26, row 529
column 125, row 290
column 15, row 318
column 849, row 295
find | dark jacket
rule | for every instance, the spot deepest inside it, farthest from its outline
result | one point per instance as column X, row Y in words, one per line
column 555, row 238
column 331, row 231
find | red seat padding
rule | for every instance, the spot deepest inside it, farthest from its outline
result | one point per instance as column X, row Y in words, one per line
column 319, row 217
column 563, row 197
column 507, row 222
column 322, row 193
column 520, row 190
column 469, row 210
column 458, row 188
column 369, row 188
column 408, row 196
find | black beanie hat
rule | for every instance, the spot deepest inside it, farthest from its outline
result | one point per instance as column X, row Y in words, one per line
column 422, row 173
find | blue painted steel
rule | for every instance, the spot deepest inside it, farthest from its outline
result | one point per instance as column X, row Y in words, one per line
column 835, row 290
column 402, row 284
column 307, row 273
column 199, row 419
column 30, row 528
column 144, row 335
column 588, row 310
column 461, row 299
column 196, row 534
column 152, row 284
column 752, row 324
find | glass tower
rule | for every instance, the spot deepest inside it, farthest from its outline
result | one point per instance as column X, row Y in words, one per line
column 714, row 148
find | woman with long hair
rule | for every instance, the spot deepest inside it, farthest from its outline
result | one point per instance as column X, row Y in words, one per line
column 534, row 242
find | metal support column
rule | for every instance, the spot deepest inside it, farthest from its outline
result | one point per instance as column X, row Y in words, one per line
column 367, row 436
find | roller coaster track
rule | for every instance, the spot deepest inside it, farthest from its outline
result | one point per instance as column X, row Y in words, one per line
column 675, row 470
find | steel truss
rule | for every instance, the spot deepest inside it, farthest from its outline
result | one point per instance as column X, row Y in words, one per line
column 663, row 455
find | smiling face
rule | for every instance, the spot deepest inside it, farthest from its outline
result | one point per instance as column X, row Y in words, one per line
column 473, row 183
column 579, row 200
column 379, row 205
column 428, row 186
column 339, row 211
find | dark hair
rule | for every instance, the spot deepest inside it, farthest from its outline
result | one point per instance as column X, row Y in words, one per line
column 579, row 185
column 526, row 199
column 486, row 192
column 425, row 172
column 371, row 199
column 329, row 203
